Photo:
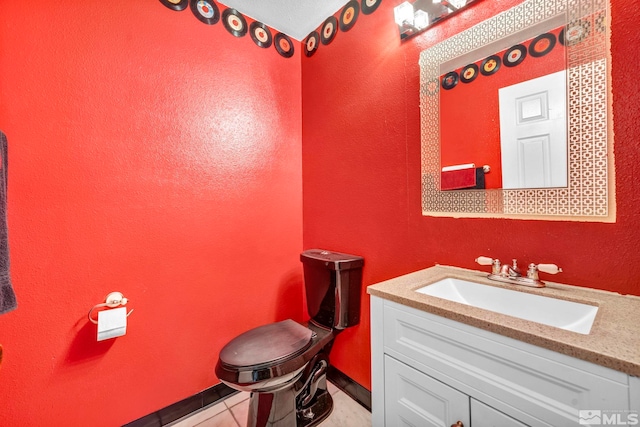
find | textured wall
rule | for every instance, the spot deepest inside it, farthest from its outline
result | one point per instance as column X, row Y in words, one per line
column 157, row 156
column 361, row 171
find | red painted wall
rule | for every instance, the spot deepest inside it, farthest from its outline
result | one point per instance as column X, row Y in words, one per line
column 470, row 113
column 154, row 155
column 158, row 156
column 361, row 171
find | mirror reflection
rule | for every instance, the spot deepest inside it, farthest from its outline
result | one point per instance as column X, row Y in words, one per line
column 503, row 117
column 587, row 191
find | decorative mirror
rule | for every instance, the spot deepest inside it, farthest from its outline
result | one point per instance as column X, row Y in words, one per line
column 514, row 116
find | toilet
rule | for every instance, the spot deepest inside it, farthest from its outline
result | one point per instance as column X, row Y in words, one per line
column 284, row 364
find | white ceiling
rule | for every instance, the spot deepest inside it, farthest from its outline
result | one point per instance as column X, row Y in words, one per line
column 295, row 18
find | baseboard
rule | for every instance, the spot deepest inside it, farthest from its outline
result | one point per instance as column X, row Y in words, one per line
column 221, row 391
column 350, row 387
column 187, row 406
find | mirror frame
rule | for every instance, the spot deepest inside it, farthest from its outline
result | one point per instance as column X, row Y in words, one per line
column 589, row 195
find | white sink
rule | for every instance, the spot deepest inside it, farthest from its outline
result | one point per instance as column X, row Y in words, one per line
column 568, row 315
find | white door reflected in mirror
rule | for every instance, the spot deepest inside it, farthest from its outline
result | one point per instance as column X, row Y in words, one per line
column 533, row 133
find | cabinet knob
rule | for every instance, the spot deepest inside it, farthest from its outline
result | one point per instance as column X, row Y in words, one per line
column 458, row 424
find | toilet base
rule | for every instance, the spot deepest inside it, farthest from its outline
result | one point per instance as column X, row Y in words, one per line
column 279, row 409
column 317, row 411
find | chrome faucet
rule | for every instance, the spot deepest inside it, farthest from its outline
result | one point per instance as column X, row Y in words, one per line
column 512, row 274
column 511, row 271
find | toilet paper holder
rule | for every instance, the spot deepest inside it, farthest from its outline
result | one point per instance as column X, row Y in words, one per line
column 113, row 300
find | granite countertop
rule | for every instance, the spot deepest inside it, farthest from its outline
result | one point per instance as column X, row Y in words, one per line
column 614, row 340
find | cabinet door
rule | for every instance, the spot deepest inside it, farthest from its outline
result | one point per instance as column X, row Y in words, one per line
column 415, row 399
column 485, row 416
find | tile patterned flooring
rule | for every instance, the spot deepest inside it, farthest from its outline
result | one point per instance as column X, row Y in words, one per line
column 232, row 412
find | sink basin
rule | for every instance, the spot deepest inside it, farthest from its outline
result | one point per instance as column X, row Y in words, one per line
column 568, row 315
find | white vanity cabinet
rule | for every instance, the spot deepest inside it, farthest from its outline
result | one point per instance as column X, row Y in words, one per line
column 428, row 370
column 413, row 398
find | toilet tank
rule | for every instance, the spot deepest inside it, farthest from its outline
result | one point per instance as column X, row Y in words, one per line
column 333, row 282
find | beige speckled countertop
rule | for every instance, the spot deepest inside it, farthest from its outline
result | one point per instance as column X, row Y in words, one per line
column 614, row 340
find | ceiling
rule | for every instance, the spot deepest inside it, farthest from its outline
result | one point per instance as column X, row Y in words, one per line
column 295, row 18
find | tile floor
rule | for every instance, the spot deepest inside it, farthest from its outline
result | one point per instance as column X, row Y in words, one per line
column 232, row 412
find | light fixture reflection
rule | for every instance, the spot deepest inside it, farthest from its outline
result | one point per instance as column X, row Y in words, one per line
column 413, row 18
column 421, row 19
column 458, row 4
column 403, row 13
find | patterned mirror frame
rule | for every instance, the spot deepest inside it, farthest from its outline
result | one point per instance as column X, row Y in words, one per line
column 588, row 196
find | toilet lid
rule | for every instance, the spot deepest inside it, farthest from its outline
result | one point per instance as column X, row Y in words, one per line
column 267, row 344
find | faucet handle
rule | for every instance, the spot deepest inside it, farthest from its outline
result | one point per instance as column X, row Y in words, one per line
column 494, row 263
column 484, row 260
column 549, row 268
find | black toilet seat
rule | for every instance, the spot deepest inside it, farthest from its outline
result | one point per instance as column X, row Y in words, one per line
column 266, row 346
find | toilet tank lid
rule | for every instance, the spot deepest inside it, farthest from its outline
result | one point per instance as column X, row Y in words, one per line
column 332, row 260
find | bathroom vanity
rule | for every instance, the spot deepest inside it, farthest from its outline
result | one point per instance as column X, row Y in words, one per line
column 436, row 362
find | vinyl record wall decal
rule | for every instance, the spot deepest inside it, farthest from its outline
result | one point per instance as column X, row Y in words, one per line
column 311, row 43
column 542, row 45
column 349, row 15
column 514, row 56
column 234, row 22
column 450, row 80
column 175, row 4
column 490, row 65
column 369, row 6
column 205, row 10
column 283, row 45
column 260, row 34
column 561, row 37
column 574, row 33
column 329, row 30
column 208, row 12
column 469, row 73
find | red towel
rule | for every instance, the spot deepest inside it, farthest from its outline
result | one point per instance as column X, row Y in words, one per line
column 458, row 179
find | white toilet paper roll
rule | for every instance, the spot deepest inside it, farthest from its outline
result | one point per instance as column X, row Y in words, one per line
column 112, row 323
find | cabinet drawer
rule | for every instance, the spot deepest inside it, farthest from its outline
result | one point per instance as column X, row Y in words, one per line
column 415, row 399
column 485, row 416
column 547, row 388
